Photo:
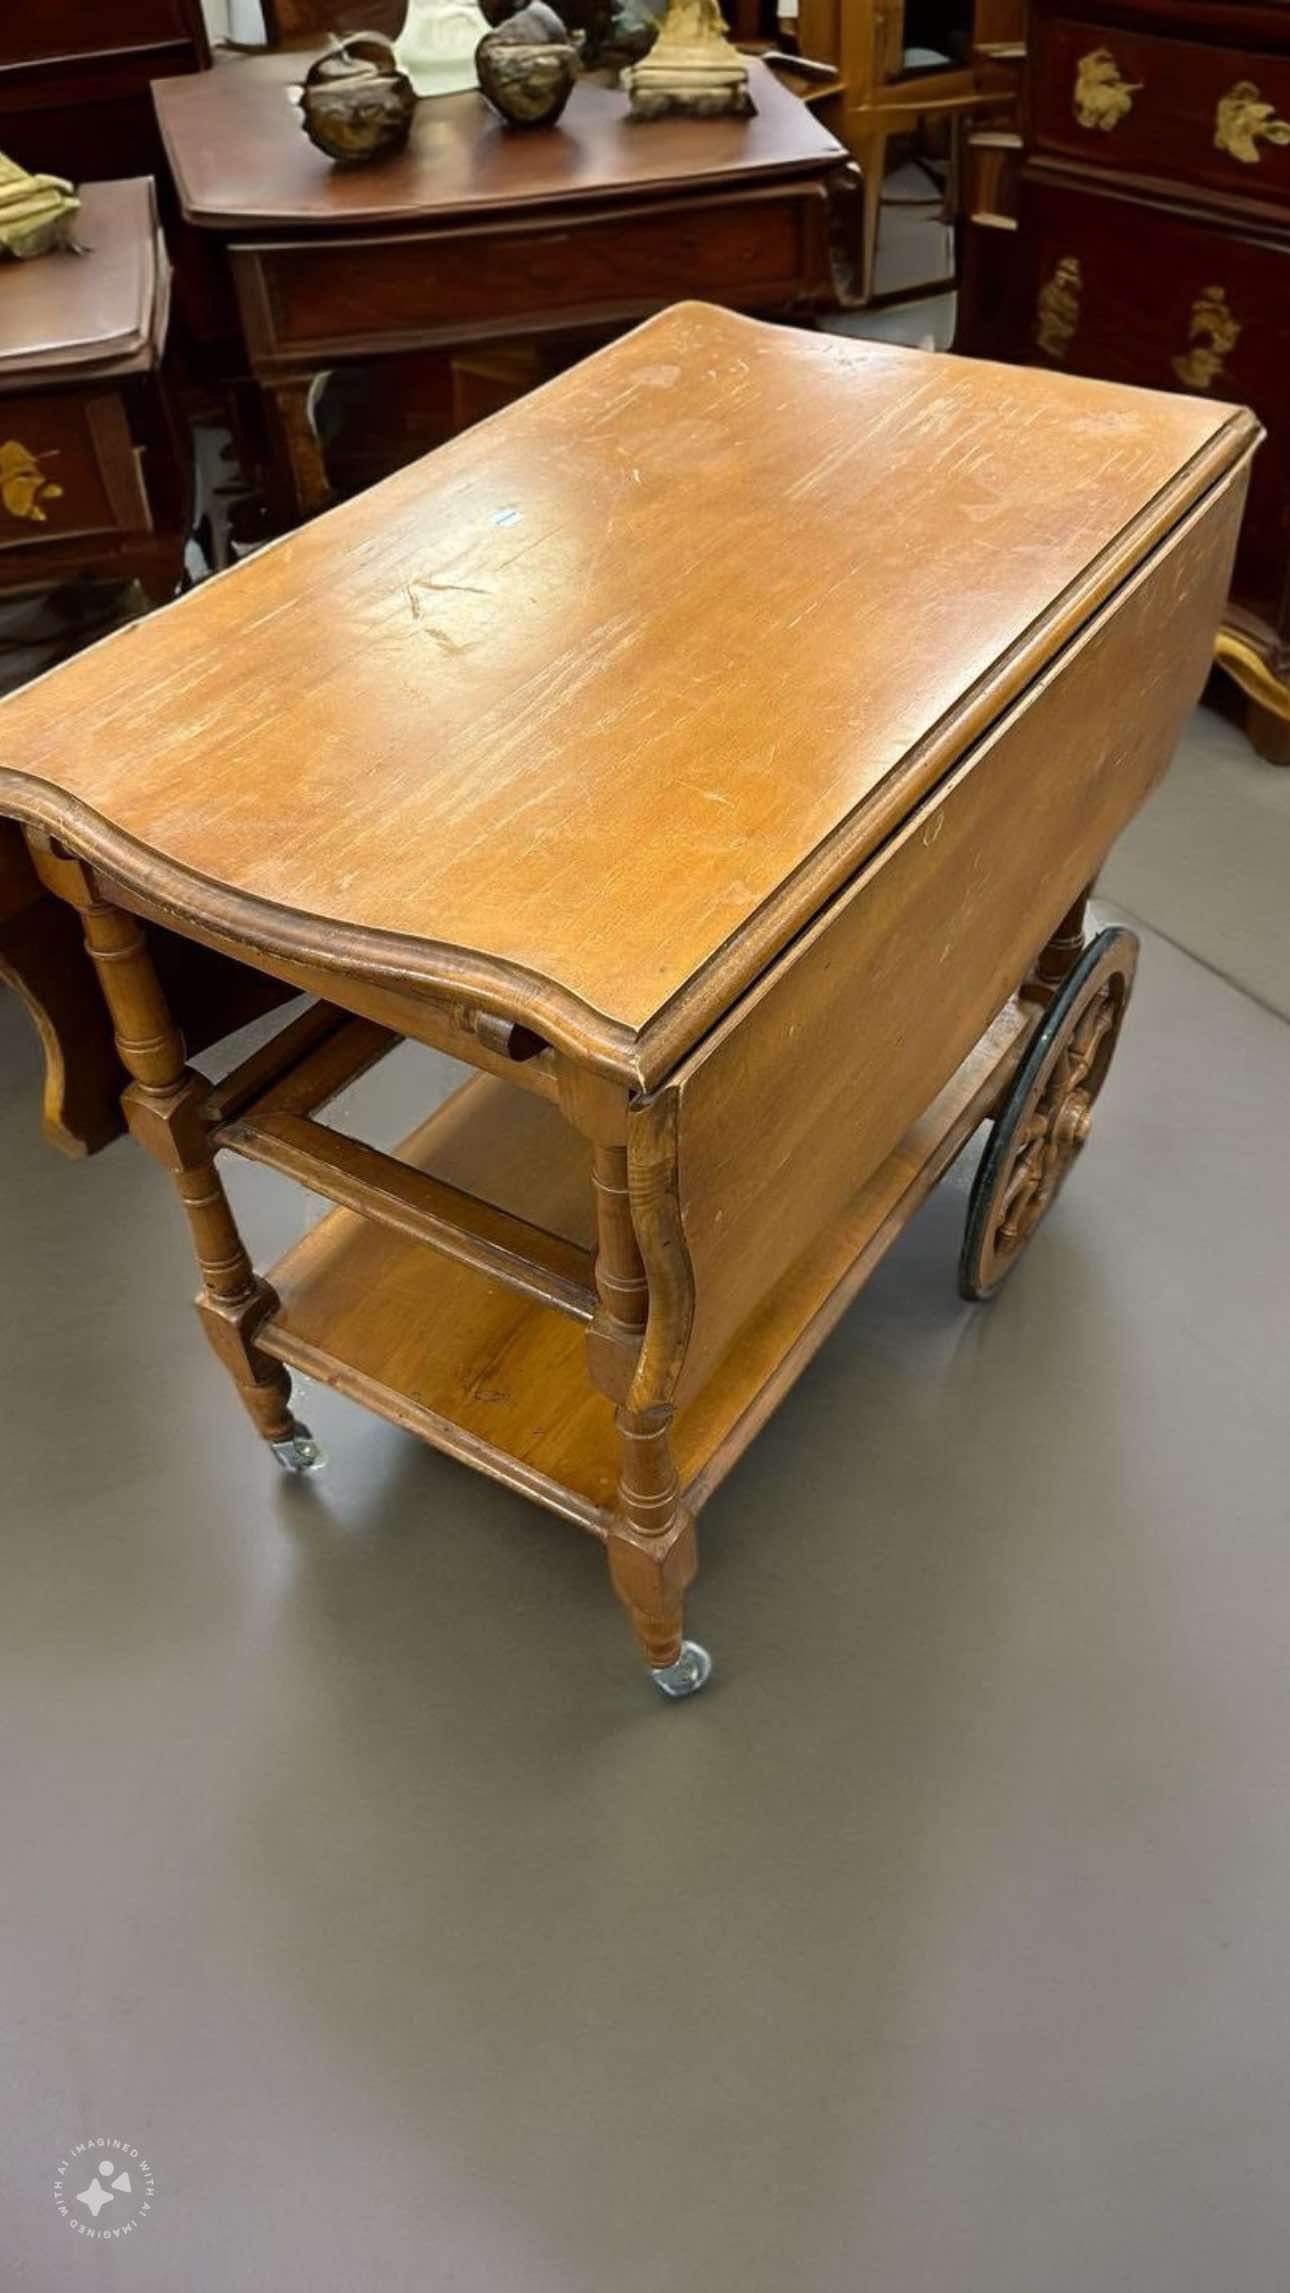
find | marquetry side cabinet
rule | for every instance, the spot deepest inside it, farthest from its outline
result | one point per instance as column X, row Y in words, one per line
column 1149, row 242
column 94, row 476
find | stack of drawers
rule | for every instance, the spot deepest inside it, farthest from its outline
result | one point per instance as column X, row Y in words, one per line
column 1153, row 246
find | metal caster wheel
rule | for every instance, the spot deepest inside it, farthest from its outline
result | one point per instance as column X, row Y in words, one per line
column 1040, row 1130
column 690, row 1672
column 300, row 1453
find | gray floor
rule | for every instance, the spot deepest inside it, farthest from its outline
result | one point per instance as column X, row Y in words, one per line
column 1207, row 861
column 355, row 1875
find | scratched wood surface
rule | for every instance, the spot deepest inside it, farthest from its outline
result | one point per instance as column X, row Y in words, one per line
column 588, row 714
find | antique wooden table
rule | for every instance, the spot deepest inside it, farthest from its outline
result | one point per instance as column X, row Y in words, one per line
column 476, row 234
column 711, row 753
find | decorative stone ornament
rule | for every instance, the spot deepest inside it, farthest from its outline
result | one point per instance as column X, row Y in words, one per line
column 692, row 67
column 528, row 66
column 436, row 47
column 356, row 104
column 36, row 211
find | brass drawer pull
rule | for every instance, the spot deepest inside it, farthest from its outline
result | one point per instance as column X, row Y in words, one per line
column 1213, row 334
column 1102, row 94
column 1243, row 120
column 1057, row 311
column 23, row 484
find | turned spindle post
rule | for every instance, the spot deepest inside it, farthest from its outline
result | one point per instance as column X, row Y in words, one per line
column 621, row 1283
column 651, row 1540
column 652, row 1555
column 162, row 1106
column 1060, row 953
column 651, row 1566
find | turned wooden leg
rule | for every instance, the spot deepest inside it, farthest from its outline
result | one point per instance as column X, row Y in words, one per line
column 652, row 1553
column 1059, row 955
column 43, row 959
column 163, row 1108
column 871, row 154
column 292, row 430
column 614, row 1344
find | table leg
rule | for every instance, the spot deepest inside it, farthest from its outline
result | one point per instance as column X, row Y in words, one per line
column 43, row 960
column 1060, row 954
column 296, row 442
column 652, row 1554
column 163, row 1108
column 871, row 153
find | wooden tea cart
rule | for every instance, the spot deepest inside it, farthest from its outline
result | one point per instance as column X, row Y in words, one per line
column 712, row 752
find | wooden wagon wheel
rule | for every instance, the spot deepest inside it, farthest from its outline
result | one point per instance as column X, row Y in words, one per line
column 1044, row 1121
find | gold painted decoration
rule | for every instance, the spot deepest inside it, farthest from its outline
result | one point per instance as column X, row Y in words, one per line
column 1213, row 334
column 1057, row 312
column 1243, row 121
column 1102, row 94
column 23, row 484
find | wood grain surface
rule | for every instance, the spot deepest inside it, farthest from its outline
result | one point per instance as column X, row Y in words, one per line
column 499, row 1380
column 239, row 156
column 585, row 716
column 914, row 960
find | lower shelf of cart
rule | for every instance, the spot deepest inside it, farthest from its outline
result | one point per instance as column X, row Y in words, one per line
column 501, row 1381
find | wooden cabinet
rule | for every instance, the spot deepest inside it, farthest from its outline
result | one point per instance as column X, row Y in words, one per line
column 1150, row 243
column 1139, row 291
column 308, row 297
column 75, row 81
column 79, row 28
column 76, row 100
column 1201, row 115
column 93, row 480
column 85, row 479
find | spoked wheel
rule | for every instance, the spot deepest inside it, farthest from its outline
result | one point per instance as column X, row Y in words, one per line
column 1044, row 1121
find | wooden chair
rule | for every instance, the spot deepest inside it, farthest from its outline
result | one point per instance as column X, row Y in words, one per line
column 881, row 87
column 75, row 82
column 303, row 23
